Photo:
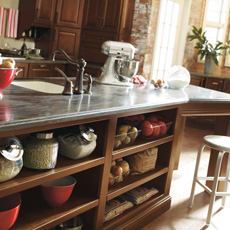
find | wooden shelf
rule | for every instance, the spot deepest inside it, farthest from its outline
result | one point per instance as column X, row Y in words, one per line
column 35, row 213
column 158, row 204
column 132, row 182
column 28, row 178
column 140, row 145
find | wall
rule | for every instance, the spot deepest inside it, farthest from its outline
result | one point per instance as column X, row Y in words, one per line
column 144, row 30
column 14, row 43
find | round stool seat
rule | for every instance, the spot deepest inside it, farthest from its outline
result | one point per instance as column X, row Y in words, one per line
column 218, row 142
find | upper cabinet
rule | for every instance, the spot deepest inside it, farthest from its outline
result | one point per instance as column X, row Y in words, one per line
column 44, row 12
column 108, row 15
column 69, row 13
column 59, row 13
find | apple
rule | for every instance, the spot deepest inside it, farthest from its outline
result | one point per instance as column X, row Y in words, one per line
column 152, row 119
column 163, row 128
column 146, row 128
column 141, row 117
column 156, row 129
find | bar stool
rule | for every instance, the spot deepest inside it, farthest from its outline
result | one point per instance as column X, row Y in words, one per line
column 221, row 144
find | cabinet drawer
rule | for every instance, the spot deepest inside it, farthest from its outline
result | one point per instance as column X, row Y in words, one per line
column 24, row 72
column 40, row 70
column 198, row 81
column 215, row 84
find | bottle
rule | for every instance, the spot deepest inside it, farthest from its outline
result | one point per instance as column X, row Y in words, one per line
column 24, row 47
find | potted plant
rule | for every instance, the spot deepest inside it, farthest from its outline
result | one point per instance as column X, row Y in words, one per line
column 208, row 50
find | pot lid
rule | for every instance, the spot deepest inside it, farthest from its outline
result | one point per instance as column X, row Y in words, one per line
column 12, row 152
column 11, row 148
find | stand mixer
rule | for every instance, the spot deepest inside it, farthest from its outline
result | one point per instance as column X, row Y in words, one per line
column 119, row 67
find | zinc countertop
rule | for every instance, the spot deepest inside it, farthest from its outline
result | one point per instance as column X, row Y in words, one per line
column 24, row 108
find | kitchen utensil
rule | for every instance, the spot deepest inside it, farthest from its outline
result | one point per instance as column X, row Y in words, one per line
column 11, row 152
column 41, row 151
column 77, row 145
column 57, row 192
column 9, row 209
column 119, row 66
column 178, row 77
column 11, row 51
column 6, row 77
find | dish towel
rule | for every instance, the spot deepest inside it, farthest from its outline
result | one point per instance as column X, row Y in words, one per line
column 2, row 12
column 138, row 79
column 12, row 23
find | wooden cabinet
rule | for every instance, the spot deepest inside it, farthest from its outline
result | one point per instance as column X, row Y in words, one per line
column 68, row 40
column 198, row 81
column 89, row 196
column 24, row 72
column 69, row 13
column 105, row 20
column 39, row 70
column 44, row 12
column 226, row 87
column 215, row 84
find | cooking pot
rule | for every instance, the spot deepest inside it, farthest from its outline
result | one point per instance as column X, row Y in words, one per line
column 12, row 51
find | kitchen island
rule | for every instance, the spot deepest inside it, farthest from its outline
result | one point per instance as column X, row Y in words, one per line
column 23, row 111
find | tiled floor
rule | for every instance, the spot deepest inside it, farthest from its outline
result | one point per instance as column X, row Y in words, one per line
column 180, row 217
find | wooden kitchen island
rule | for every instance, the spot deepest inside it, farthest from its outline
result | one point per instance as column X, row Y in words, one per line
column 23, row 111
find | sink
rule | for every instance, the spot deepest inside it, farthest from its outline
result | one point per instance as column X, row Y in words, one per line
column 40, row 86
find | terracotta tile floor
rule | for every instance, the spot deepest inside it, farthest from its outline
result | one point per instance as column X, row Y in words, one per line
column 180, row 217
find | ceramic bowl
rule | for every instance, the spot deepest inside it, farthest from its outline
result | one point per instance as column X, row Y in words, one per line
column 9, row 209
column 57, row 192
column 6, row 76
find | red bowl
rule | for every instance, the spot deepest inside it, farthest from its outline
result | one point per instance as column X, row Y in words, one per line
column 6, row 76
column 57, row 192
column 9, row 209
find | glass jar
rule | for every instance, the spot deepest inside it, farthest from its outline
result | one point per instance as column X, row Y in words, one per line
column 10, row 158
column 40, row 151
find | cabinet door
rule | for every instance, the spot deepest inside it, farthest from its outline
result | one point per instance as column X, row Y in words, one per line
column 226, row 88
column 45, row 11
column 24, row 72
column 102, row 14
column 69, row 13
column 215, row 84
column 40, row 70
column 68, row 40
column 91, row 42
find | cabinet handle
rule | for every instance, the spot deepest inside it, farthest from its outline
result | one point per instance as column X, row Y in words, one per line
column 215, row 83
column 43, row 66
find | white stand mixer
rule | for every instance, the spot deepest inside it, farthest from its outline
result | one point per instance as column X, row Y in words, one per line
column 119, row 66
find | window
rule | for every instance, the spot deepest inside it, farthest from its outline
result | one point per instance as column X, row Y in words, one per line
column 167, row 42
column 215, row 20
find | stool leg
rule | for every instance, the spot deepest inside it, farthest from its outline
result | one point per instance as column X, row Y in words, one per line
column 195, row 175
column 226, row 180
column 214, row 186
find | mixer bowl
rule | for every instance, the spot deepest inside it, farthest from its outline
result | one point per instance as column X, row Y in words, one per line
column 126, row 69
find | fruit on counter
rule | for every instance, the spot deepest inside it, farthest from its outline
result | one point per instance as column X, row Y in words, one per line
column 156, row 129
column 111, row 179
column 8, row 63
column 158, row 83
column 125, row 166
column 163, row 128
column 152, row 119
column 117, row 171
column 146, row 128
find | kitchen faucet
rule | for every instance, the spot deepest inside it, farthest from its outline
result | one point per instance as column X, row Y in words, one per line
column 80, row 64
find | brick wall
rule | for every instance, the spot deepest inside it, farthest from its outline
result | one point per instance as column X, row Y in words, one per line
column 144, row 30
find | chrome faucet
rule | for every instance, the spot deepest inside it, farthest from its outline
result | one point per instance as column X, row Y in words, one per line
column 80, row 64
